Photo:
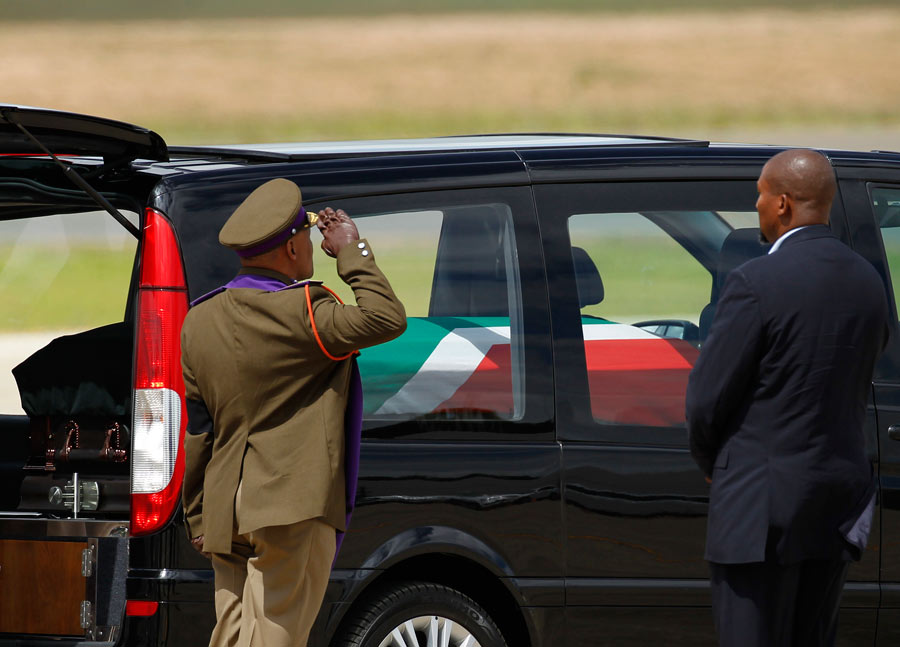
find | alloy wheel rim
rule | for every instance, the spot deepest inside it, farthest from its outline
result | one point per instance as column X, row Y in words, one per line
column 429, row 631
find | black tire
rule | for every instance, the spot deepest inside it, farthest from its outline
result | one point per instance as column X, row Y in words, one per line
column 425, row 607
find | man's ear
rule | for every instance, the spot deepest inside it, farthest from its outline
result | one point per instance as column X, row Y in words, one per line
column 291, row 249
column 785, row 207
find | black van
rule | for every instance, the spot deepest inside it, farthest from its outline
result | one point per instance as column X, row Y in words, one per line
column 525, row 477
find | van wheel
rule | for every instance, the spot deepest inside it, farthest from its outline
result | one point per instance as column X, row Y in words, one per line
column 424, row 614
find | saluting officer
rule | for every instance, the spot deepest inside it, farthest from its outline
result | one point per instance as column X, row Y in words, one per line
column 268, row 370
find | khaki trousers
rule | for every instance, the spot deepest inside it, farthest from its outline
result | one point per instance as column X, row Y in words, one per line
column 270, row 587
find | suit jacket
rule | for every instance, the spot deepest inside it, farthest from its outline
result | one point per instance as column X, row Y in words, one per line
column 273, row 401
column 777, row 399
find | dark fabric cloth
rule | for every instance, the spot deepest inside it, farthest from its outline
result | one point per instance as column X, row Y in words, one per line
column 353, row 440
column 86, row 374
column 773, row 605
column 776, row 402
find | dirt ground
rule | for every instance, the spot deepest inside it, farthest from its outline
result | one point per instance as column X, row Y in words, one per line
column 740, row 72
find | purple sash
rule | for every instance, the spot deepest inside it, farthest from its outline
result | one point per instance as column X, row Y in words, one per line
column 353, row 412
column 255, row 282
column 352, row 438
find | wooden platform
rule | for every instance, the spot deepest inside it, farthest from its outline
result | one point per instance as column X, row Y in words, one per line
column 41, row 587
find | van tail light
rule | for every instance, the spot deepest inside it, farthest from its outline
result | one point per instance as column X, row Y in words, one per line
column 157, row 457
column 141, row 608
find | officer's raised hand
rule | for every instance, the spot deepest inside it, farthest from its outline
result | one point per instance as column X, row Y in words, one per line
column 337, row 230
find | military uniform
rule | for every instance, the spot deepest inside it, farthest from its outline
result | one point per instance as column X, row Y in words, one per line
column 266, row 382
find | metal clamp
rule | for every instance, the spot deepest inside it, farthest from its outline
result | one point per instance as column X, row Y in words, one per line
column 76, row 495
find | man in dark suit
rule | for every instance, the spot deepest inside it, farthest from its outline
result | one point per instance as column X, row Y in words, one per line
column 775, row 411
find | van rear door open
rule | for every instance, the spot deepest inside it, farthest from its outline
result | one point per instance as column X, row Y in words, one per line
column 84, row 295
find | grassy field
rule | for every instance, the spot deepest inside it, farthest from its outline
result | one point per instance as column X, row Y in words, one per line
column 333, row 77
column 409, row 272
column 643, row 279
column 117, row 9
column 46, row 288
column 88, row 287
column 651, row 278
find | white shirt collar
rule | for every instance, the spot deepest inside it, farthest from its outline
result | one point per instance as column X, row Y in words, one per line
column 783, row 237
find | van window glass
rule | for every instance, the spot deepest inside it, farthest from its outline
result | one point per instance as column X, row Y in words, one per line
column 647, row 285
column 455, row 268
column 740, row 219
column 59, row 275
column 886, row 203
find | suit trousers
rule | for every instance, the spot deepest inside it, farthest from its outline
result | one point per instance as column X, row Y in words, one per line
column 270, row 587
column 767, row 604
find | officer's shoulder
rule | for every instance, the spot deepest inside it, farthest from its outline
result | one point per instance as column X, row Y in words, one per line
column 195, row 321
column 197, row 316
column 202, row 303
column 320, row 291
column 199, row 308
column 297, row 288
column 318, row 287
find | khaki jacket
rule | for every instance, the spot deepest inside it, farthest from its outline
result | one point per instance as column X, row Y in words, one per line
column 276, row 401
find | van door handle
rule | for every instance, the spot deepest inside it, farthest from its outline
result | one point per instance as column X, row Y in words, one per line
column 894, row 432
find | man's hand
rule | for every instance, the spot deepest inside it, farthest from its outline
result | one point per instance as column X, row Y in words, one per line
column 197, row 544
column 337, row 230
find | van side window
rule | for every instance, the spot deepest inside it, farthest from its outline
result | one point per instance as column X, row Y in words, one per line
column 455, row 268
column 648, row 285
column 886, row 204
column 61, row 275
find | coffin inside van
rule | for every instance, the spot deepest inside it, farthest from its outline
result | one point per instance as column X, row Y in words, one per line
column 66, row 272
column 79, row 375
column 69, row 236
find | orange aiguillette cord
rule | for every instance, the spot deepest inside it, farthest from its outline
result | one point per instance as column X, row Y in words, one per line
column 315, row 330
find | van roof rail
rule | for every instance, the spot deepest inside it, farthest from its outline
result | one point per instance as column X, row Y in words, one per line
column 453, row 143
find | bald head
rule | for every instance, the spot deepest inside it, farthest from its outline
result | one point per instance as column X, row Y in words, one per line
column 796, row 188
column 805, row 175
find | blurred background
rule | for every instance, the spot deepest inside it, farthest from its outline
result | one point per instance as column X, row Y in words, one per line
column 226, row 71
